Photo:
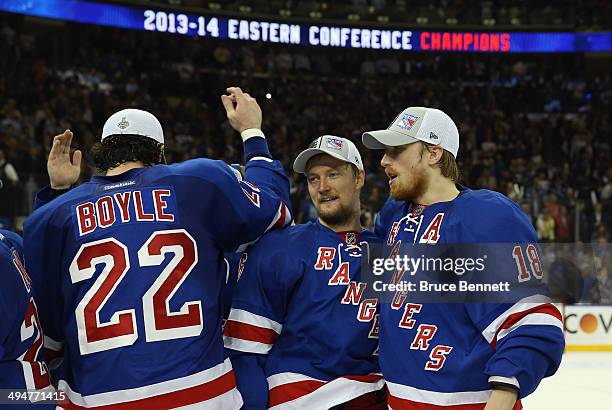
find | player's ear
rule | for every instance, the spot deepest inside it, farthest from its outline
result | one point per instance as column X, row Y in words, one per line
column 162, row 154
column 360, row 179
column 435, row 154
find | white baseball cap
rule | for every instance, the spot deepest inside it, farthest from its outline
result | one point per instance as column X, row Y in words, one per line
column 133, row 122
column 416, row 124
column 338, row 147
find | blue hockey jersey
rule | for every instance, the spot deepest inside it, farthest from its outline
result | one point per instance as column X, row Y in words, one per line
column 21, row 338
column 232, row 259
column 299, row 327
column 443, row 355
column 130, row 273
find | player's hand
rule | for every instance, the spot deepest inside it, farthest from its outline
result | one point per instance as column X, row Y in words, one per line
column 242, row 110
column 501, row 400
column 63, row 172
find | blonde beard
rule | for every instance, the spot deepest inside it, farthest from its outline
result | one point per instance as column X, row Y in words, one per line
column 341, row 216
column 418, row 186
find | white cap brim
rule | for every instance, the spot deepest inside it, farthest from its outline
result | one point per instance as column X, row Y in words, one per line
column 299, row 165
column 382, row 139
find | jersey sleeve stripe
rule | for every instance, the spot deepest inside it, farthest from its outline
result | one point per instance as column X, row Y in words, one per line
column 534, row 318
column 401, row 396
column 261, row 159
column 246, row 331
column 546, row 314
column 396, row 403
column 53, row 358
column 214, row 388
column 281, row 218
column 523, row 305
column 53, row 352
column 53, row 344
column 280, row 379
column 246, row 346
column 292, row 390
column 244, row 316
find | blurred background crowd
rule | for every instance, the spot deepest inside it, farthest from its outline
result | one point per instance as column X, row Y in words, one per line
column 562, row 14
column 536, row 128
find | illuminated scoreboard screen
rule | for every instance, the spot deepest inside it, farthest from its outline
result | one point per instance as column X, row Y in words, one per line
column 309, row 34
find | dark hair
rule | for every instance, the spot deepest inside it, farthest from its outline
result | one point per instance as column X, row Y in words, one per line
column 448, row 165
column 117, row 149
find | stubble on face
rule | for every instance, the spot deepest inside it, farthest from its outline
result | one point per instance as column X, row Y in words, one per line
column 411, row 182
column 338, row 215
column 410, row 187
column 341, row 210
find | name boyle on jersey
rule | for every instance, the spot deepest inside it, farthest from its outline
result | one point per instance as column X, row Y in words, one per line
column 134, row 206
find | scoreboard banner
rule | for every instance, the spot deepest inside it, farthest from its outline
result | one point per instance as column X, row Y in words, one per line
column 345, row 36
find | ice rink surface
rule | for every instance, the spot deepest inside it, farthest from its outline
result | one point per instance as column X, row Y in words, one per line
column 583, row 382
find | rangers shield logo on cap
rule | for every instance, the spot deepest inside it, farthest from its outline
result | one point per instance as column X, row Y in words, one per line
column 334, row 143
column 407, row 121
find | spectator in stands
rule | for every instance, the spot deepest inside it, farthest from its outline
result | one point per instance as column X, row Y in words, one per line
column 563, row 228
column 10, row 199
column 510, row 139
column 604, row 282
column 545, row 225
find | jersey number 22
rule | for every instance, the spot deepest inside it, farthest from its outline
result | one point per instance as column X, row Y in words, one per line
column 159, row 322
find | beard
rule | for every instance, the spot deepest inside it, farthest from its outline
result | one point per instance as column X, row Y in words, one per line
column 341, row 215
column 410, row 190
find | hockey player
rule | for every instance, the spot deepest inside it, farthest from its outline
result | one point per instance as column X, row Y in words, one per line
column 299, row 334
column 459, row 356
column 22, row 370
column 129, row 266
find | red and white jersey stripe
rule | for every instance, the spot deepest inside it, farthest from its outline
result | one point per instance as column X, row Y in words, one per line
column 247, row 332
column 297, row 391
column 533, row 310
column 406, row 397
column 282, row 218
column 212, row 389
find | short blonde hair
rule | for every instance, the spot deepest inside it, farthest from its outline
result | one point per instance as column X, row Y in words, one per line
column 447, row 164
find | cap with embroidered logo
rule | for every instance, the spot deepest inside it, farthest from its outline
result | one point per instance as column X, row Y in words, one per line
column 132, row 121
column 337, row 147
column 416, row 124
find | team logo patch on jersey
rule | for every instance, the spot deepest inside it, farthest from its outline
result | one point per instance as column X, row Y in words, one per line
column 123, row 124
column 334, row 143
column 407, row 121
column 418, row 210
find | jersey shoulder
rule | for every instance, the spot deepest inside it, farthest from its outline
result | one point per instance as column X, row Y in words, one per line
column 391, row 207
column 491, row 216
column 294, row 239
column 11, row 239
column 368, row 236
column 15, row 283
column 214, row 171
column 61, row 204
column 388, row 214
